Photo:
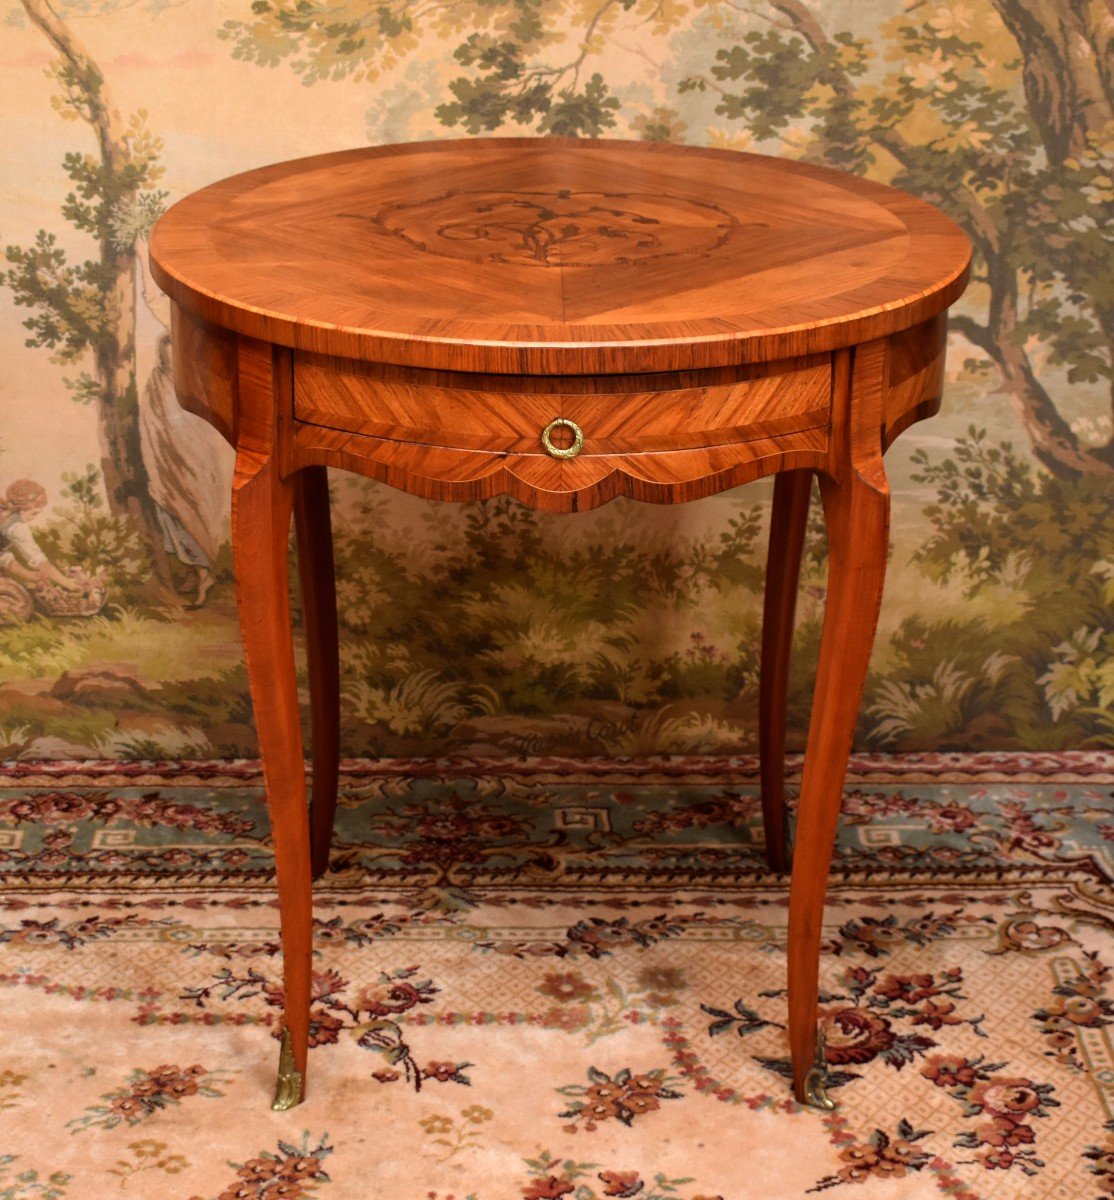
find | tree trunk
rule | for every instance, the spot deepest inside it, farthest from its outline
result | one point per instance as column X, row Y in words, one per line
column 1042, row 29
column 1068, row 51
column 125, row 477
column 1066, row 46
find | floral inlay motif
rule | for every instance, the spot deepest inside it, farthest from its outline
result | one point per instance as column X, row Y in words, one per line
column 558, row 229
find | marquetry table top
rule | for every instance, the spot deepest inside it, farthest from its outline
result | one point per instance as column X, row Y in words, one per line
column 553, row 255
column 563, row 322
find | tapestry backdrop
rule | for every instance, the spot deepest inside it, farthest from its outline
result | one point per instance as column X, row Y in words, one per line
column 488, row 628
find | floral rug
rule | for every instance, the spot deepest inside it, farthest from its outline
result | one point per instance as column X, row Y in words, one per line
column 557, row 978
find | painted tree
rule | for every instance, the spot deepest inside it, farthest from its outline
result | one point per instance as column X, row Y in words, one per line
column 1005, row 123
column 523, row 62
column 1000, row 112
column 85, row 312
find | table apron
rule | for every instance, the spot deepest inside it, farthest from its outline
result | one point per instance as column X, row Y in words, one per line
column 663, row 438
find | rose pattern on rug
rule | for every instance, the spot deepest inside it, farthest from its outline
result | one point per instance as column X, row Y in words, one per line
column 859, row 1020
column 937, row 1079
column 1100, row 1162
column 456, row 1134
column 370, row 1015
column 394, row 995
column 148, row 810
column 605, row 1008
column 671, row 822
column 1080, row 1001
column 621, row 1097
column 289, row 1172
column 597, row 937
column 1004, row 1138
column 552, row 1178
column 71, row 934
column 147, row 1092
column 880, row 1157
column 876, row 937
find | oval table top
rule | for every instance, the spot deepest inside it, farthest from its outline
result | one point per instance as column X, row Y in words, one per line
column 557, row 256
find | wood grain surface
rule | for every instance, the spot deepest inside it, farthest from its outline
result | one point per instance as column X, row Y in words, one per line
column 557, row 256
column 856, row 499
column 420, row 314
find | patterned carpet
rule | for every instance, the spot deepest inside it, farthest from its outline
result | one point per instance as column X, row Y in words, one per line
column 558, row 979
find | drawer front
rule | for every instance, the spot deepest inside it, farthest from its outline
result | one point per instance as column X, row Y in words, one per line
column 507, row 415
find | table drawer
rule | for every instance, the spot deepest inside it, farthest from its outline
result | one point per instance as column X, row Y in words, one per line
column 617, row 415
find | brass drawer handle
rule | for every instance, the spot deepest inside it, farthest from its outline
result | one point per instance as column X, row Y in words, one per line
column 568, row 451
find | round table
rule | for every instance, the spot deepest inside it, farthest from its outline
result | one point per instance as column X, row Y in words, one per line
column 565, row 322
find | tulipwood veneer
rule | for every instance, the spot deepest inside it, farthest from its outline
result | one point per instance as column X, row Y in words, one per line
column 564, row 322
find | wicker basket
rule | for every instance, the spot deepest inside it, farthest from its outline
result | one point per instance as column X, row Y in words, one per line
column 54, row 601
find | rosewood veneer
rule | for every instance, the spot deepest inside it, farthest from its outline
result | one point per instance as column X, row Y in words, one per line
column 564, row 322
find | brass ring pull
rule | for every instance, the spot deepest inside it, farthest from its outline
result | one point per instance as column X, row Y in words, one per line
column 568, row 451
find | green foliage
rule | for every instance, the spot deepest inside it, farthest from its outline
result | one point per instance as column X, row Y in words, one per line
column 86, row 535
column 1080, row 678
column 1062, row 223
column 973, row 489
column 211, row 701
column 995, row 519
column 25, row 1183
column 581, row 114
column 167, row 743
column 494, row 617
column 72, row 304
column 947, row 121
column 663, row 124
column 1034, row 668
column 503, row 91
column 505, row 48
column 926, row 702
column 84, row 388
column 115, row 202
column 318, row 44
column 506, row 88
column 789, row 79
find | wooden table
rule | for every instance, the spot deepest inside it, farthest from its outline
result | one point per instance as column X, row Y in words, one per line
column 564, row 322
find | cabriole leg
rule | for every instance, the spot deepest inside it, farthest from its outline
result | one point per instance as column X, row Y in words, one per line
column 856, row 511
column 783, row 567
column 313, row 529
column 261, row 511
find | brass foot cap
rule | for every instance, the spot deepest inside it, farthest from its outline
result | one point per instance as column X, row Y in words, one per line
column 288, row 1086
column 814, row 1091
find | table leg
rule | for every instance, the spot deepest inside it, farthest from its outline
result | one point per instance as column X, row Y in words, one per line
column 788, row 521
column 261, row 510
column 856, row 510
column 319, row 617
